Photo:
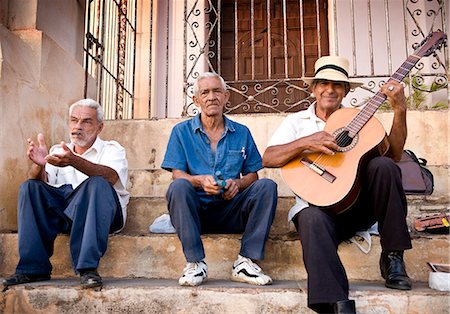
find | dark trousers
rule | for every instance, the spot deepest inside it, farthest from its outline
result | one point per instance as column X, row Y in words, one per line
column 250, row 211
column 382, row 199
column 88, row 213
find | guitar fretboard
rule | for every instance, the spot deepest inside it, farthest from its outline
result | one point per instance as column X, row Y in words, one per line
column 377, row 100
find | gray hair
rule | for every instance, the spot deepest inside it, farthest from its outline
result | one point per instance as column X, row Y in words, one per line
column 90, row 103
column 207, row 75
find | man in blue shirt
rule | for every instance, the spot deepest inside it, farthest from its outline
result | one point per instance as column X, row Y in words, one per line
column 214, row 163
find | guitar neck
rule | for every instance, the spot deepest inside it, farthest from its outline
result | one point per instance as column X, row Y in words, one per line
column 377, row 100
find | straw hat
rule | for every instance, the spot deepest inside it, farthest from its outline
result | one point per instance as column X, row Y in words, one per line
column 331, row 68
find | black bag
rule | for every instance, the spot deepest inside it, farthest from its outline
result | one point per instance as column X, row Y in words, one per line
column 416, row 178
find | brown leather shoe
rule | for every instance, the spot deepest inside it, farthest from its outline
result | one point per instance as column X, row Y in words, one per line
column 393, row 270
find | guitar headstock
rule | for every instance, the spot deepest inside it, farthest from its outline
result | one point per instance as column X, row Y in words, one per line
column 433, row 41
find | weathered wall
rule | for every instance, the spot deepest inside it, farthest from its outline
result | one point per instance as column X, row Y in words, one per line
column 39, row 78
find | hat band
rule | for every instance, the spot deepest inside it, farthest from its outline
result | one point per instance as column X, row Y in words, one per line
column 331, row 66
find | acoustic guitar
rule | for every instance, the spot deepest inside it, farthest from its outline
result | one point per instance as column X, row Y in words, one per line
column 332, row 181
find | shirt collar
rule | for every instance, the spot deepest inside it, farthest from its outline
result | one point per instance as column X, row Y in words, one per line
column 197, row 124
column 310, row 113
column 97, row 146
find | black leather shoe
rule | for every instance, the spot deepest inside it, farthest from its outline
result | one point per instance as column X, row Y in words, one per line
column 90, row 279
column 18, row 279
column 393, row 270
column 345, row 307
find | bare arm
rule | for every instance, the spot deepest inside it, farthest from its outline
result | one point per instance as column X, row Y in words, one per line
column 397, row 135
column 278, row 155
column 68, row 158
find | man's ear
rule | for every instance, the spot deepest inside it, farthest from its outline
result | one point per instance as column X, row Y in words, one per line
column 347, row 89
column 227, row 96
column 100, row 127
column 195, row 99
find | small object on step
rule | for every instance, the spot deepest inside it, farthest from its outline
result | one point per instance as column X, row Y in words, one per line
column 436, row 267
column 439, row 278
column 162, row 224
column 433, row 223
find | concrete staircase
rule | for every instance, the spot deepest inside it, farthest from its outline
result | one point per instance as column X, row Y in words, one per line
column 140, row 269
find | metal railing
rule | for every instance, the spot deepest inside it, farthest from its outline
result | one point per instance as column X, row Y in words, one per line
column 109, row 46
column 274, row 43
column 374, row 40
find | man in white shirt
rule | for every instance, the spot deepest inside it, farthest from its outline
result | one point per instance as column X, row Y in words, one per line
column 77, row 189
column 381, row 197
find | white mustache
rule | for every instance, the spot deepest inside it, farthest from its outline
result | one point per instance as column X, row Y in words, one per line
column 76, row 133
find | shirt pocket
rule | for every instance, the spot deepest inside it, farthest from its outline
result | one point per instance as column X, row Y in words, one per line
column 234, row 162
column 65, row 175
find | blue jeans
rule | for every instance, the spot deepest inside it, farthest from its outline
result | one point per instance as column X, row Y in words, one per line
column 88, row 213
column 250, row 211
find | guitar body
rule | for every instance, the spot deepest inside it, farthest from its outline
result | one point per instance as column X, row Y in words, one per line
column 339, row 194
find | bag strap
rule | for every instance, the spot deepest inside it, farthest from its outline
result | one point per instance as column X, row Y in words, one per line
column 420, row 161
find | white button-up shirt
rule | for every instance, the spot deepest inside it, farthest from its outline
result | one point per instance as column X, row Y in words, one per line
column 106, row 153
column 293, row 127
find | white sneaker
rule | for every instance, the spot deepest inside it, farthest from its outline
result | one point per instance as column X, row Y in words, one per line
column 194, row 274
column 244, row 270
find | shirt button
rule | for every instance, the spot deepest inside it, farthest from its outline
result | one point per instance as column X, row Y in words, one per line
column 207, row 142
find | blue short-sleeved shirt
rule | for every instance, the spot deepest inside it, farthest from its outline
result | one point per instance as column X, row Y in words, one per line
column 189, row 150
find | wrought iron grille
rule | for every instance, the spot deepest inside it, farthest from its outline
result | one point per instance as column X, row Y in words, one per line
column 260, row 47
column 248, row 42
column 427, row 83
column 109, row 46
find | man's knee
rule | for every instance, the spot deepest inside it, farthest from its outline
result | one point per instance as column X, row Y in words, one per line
column 265, row 185
column 179, row 187
column 97, row 181
column 312, row 216
column 383, row 166
column 28, row 187
column 30, row 184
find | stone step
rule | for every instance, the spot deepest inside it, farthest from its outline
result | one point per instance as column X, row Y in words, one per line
column 154, row 182
column 145, row 156
column 142, row 211
column 160, row 256
column 215, row 296
column 146, row 140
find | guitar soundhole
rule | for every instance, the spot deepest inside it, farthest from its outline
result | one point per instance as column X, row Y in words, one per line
column 344, row 140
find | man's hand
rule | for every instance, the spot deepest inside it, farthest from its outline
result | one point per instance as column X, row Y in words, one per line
column 209, row 185
column 395, row 95
column 321, row 142
column 66, row 158
column 37, row 153
column 231, row 189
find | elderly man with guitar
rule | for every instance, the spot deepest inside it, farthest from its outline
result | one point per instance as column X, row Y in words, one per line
column 340, row 163
column 334, row 200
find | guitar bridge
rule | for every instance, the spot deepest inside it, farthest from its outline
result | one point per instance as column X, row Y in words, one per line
column 318, row 169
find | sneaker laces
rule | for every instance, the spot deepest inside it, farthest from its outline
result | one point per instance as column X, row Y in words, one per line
column 191, row 268
column 249, row 262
